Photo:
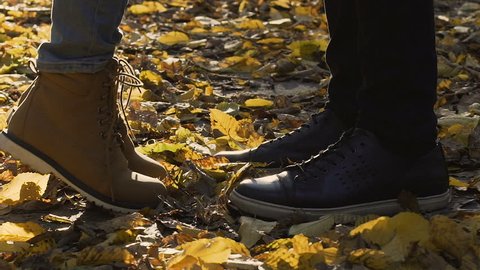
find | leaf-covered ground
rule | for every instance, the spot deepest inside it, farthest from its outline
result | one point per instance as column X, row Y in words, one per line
column 229, row 75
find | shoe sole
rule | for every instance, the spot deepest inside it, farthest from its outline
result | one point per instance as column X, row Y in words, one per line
column 386, row 207
column 48, row 167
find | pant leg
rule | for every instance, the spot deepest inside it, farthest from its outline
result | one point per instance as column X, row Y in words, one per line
column 343, row 59
column 84, row 35
column 398, row 63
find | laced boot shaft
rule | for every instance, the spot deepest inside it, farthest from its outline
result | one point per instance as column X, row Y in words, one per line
column 66, row 125
column 123, row 80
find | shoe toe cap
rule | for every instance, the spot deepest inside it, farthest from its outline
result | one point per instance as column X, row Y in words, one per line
column 235, row 156
column 269, row 189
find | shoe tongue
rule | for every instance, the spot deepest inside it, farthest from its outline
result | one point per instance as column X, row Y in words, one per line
column 362, row 132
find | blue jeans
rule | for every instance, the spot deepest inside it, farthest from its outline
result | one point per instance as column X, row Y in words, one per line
column 84, row 36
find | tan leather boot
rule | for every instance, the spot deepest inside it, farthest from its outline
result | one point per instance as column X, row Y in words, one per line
column 66, row 125
column 137, row 162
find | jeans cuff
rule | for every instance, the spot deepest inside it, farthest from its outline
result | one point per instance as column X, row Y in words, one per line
column 70, row 67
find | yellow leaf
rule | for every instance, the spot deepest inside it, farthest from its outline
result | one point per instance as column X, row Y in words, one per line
column 3, row 120
column 25, row 186
column 281, row 3
column 178, row 3
column 251, row 24
column 147, row 7
column 19, row 231
column 267, row 41
column 297, row 253
column 148, row 76
column 454, row 182
column 206, row 251
column 258, row 102
column 371, row 258
column 241, row 63
column 98, row 255
column 377, row 231
column 225, row 123
column 242, row 5
column 451, row 237
column 396, row 235
column 457, row 127
column 173, row 38
column 308, row 49
column 220, row 29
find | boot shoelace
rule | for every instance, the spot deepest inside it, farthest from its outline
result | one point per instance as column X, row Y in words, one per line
column 121, row 79
column 320, row 163
column 126, row 81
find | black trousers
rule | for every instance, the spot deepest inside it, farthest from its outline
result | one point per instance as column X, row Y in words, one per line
column 383, row 63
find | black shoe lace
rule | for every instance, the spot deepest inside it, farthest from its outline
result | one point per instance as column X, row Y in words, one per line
column 323, row 161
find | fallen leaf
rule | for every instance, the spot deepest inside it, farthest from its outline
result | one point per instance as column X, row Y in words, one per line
column 24, row 187
column 147, row 7
column 13, row 236
column 173, row 38
column 212, row 252
column 396, row 235
column 258, row 102
column 313, row 228
column 251, row 230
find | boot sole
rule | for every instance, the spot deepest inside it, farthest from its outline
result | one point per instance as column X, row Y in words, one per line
column 386, row 207
column 31, row 157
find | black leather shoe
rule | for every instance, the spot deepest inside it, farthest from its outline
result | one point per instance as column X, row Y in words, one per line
column 324, row 129
column 357, row 175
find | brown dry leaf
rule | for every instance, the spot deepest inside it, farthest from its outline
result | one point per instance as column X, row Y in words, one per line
column 124, row 222
column 24, row 187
